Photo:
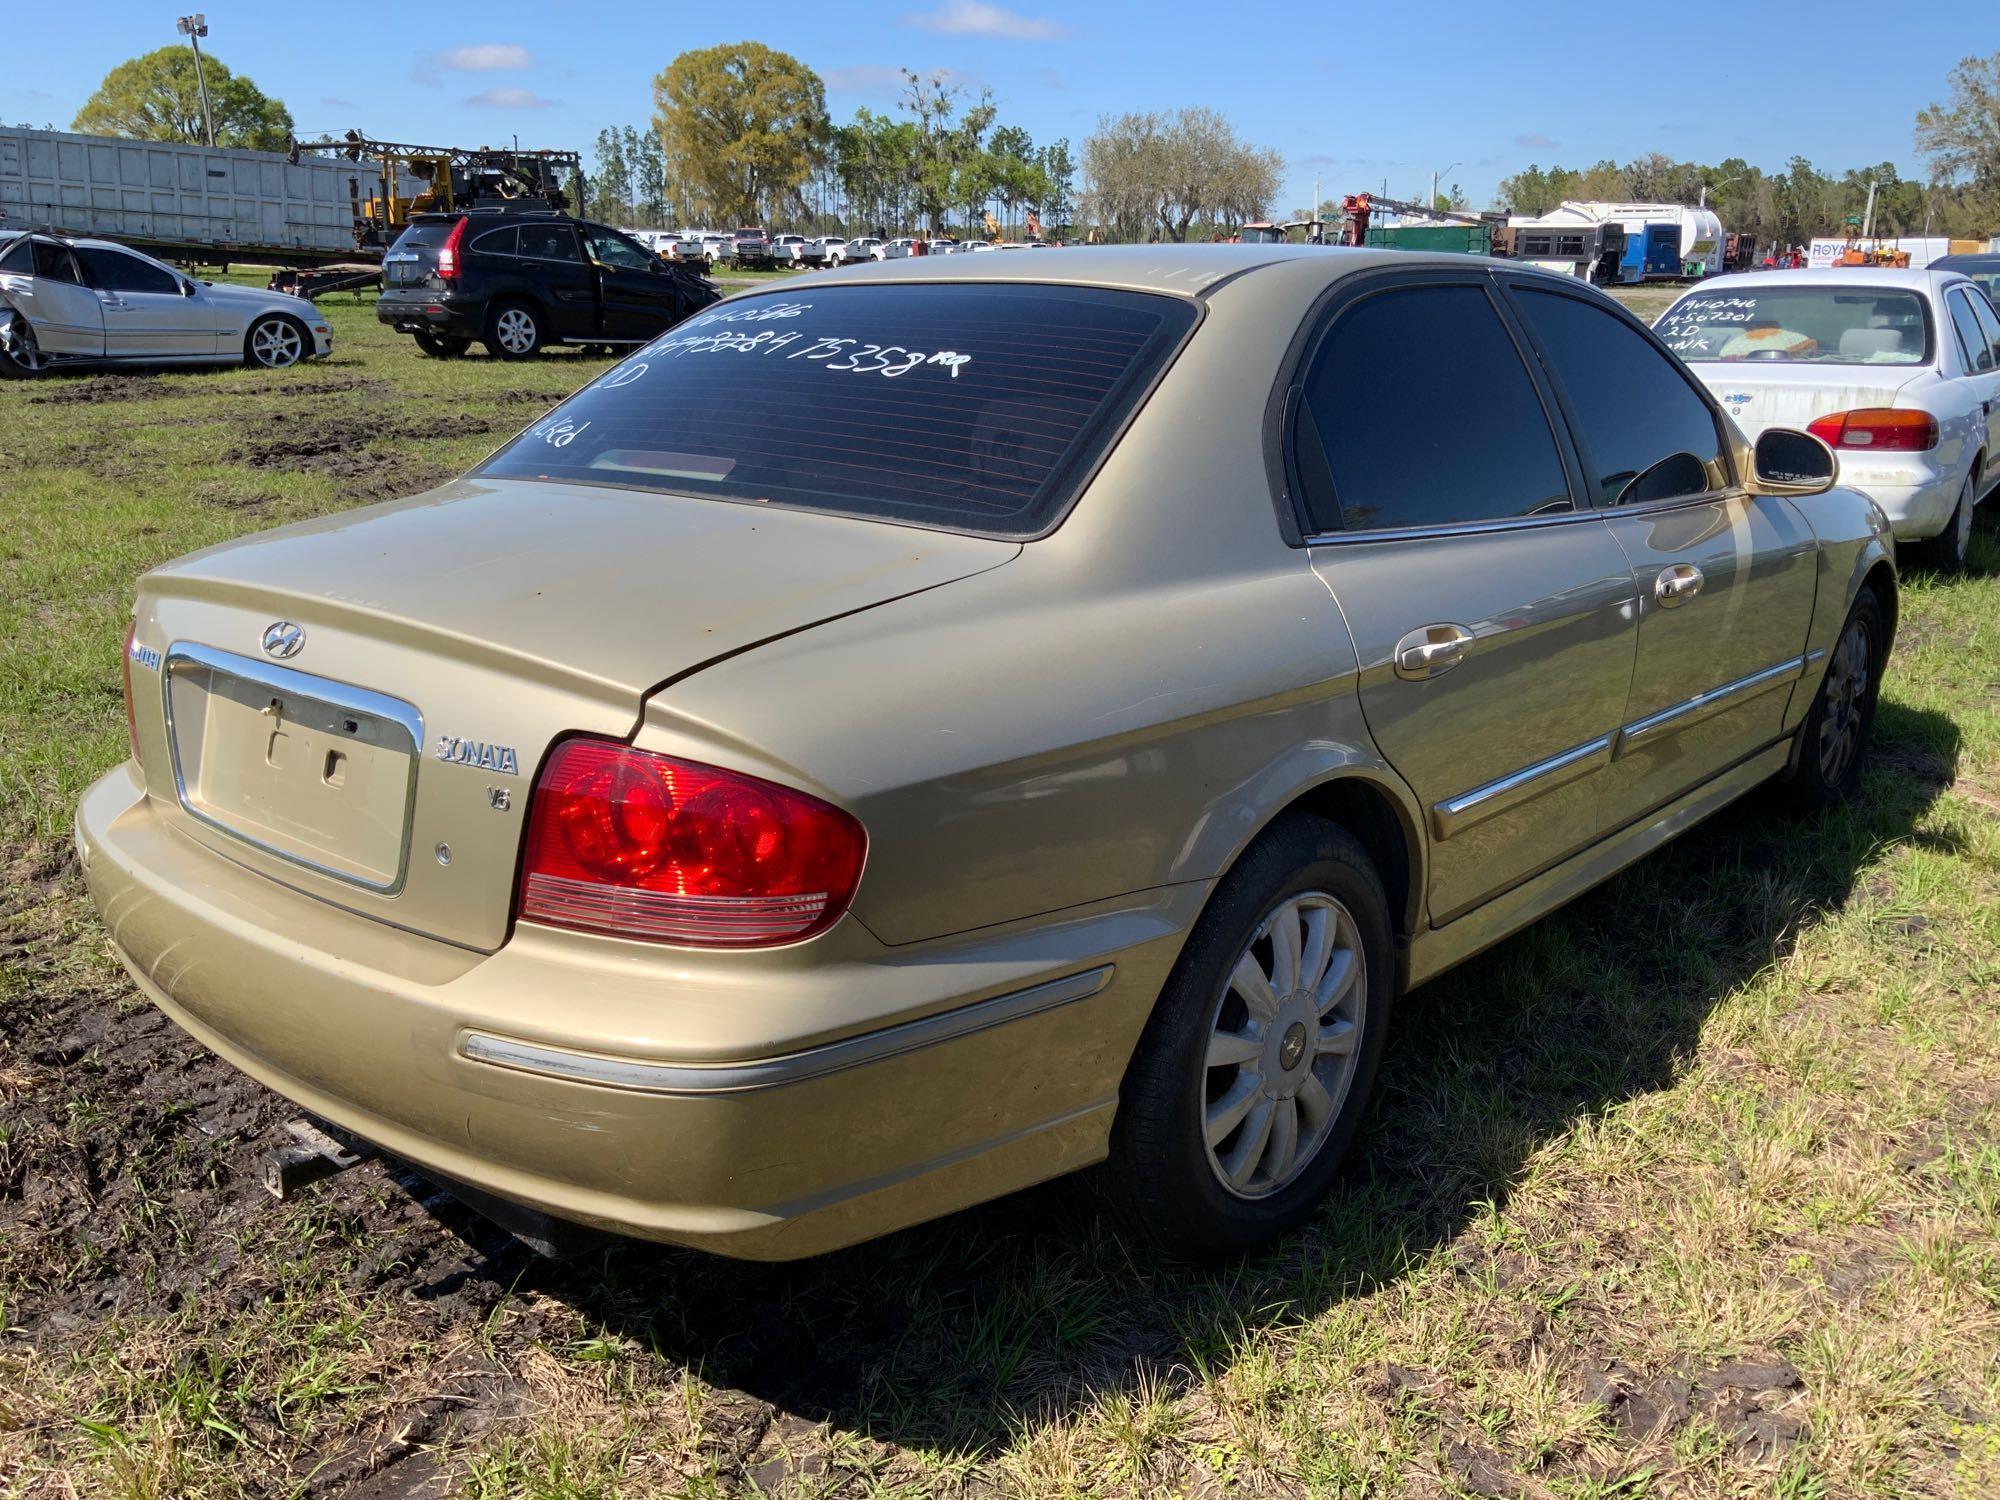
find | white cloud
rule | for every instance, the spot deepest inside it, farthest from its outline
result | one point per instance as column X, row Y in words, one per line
column 977, row 18
column 511, row 99
column 485, row 57
column 864, row 78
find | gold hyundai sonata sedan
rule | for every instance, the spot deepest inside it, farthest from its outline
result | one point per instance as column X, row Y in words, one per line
column 948, row 723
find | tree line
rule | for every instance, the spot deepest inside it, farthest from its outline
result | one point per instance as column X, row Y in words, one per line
column 1958, row 139
column 741, row 134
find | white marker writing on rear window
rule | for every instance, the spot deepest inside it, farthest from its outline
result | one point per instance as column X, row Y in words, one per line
column 847, row 355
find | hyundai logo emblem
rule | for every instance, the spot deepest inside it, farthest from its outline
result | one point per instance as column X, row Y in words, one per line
column 283, row 639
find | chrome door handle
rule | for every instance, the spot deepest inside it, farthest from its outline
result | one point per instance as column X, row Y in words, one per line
column 1677, row 585
column 1430, row 650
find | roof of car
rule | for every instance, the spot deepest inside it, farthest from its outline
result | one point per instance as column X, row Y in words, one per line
column 1187, row 269
column 1971, row 260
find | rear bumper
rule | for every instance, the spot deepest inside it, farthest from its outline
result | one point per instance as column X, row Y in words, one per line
column 1915, row 493
column 435, row 315
column 995, row 1063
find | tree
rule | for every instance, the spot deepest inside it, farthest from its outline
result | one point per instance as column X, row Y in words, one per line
column 157, row 98
column 610, row 180
column 1961, row 141
column 1155, row 175
column 741, row 124
column 1059, row 170
column 649, row 176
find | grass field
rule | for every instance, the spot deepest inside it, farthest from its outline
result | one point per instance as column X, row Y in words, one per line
column 1693, row 1190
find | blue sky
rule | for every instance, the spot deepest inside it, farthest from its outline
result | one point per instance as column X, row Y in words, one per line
column 1350, row 94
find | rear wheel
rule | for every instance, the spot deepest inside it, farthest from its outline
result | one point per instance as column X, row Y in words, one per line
column 1259, row 1061
column 1946, row 552
column 513, row 331
column 20, row 356
column 1836, row 732
column 274, row 342
column 442, row 346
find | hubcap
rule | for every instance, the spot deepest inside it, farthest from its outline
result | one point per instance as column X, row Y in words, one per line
column 276, row 344
column 517, row 331
column 1282, row 1040
column 1846, row 696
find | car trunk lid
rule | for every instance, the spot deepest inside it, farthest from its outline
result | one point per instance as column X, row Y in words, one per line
column 412, row 260
column 1776, row 394
column 444, row 643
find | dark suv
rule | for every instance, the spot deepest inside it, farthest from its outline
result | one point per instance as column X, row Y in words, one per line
column 518, row 279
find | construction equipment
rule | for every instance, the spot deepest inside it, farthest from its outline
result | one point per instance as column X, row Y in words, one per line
column 1357, row 209
column 445, row 178
column 1875, row 253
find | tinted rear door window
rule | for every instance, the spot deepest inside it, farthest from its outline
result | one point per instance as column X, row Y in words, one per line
column 1971, row 337
column 1631, row 404
column 1419, row 412
column 548, row 242
column 974, row 408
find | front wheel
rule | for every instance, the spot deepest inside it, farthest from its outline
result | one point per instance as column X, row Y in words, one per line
column 274, row 342
column 1259, row 1062
column 1835, row 735
column 20, row 356
column 442, row 346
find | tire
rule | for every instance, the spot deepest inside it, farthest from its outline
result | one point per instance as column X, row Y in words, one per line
column 21, row 358
column 442, row 346
column 513, row 331
column 276, row 341
column 1946, row 551
column 1167, row 1182
column 1834, row 738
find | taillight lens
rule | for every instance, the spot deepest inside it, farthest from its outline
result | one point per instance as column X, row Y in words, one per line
column 447, row 263
column 1878, row 428
column 640, row 845
column 131, row 714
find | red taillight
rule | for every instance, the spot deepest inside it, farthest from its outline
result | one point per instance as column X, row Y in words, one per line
column 447, row 265
column 131, row 715
column 640, row 845
column 1878, row 428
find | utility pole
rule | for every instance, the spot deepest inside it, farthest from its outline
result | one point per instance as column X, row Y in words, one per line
column 194, row 28
column 1868, row 213
column 1430, row 204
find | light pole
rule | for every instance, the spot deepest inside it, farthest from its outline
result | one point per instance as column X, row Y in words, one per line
column 1702, row 202
column 194, row 28
column 1435, row 175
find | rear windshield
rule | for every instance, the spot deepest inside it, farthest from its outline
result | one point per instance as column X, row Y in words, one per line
column 969, row 407
column 424, row 236
column 1815, row 325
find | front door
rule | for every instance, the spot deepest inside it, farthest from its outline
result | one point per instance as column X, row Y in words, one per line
column 43, row 282
column 1722, row 581
column 147, row 312
column 639, row 300
column 1492, row 615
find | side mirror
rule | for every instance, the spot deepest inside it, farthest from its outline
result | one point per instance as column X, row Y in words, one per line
column 188, row 289
column 1788, row 462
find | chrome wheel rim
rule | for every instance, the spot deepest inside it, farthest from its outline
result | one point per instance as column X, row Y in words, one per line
column 516, row 331
column 1281, row 1045
column 276, row 344
column 1846, row 694
column 17, row 339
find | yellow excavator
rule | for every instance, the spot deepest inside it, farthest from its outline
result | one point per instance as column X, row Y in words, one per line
column 411, row 179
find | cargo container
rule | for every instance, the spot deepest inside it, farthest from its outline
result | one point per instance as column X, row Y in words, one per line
column 183, row 201
column 1462, row 239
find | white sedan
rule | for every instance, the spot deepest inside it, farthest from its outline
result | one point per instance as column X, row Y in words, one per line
column 72, row 301
column 1898, row 371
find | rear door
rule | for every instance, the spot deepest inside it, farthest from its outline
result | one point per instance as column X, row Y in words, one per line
column 44, row 282
column 1979, row 344
column 1723, row 581
column 147, row 311
column 637, row 298
column 1492, row 612
column 552, row 260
